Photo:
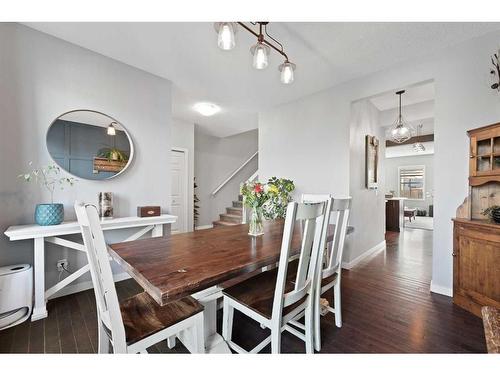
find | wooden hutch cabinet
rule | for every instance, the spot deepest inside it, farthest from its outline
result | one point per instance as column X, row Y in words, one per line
column 484, row 164
column 476, row 240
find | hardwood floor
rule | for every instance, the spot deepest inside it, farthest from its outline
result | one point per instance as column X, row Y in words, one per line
column 387, row 308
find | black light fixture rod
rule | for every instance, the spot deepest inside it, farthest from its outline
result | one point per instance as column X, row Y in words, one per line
column 400, row 93
column 261, row 38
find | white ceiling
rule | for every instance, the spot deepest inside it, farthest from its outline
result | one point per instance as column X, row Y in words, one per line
column 325, row 54
column 413, row 95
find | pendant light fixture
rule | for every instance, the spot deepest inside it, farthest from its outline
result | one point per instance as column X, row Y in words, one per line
column 226, row 31
column 418, row 146
column 287, row 69
column 226, row 40
column 111, row 129
column 260, row 53
column 401, row 131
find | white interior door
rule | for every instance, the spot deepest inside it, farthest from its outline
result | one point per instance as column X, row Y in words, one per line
column 178, row 168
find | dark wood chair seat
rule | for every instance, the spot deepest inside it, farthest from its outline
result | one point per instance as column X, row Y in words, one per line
column 292, row 272
column 257, row 293
column 143, row 317
column 491, row 322
column 329, row 279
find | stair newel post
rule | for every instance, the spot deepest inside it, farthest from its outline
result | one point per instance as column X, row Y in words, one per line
column 244, row 209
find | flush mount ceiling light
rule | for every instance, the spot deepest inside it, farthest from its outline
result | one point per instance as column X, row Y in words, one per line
column 401, row 131
column 111, row 130
column 206, row 109
column 226, row 40
column 419, row 146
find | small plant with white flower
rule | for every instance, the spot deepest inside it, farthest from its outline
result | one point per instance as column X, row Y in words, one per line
column 48, row 177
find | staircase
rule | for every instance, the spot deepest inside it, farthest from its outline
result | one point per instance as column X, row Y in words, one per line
column 233, row 215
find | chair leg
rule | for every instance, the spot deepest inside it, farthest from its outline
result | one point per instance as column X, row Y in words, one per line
column 275, row 340
column 227, row 320
column 198, row 335
column 337, row 304
column 309, row 324
column 103, row 343
column 317, row 322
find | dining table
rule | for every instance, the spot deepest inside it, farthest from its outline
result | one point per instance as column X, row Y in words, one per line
column 200, row 263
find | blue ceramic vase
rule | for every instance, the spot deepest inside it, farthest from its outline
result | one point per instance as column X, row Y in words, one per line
column 49, row 214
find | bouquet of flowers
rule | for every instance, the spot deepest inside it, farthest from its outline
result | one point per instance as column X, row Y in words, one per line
column 279, row 191
column 255, row 195
column 268, row 200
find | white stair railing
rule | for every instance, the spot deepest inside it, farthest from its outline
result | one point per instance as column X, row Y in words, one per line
column 231, row 176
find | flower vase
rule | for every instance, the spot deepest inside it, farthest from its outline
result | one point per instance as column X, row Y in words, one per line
column 256, row 225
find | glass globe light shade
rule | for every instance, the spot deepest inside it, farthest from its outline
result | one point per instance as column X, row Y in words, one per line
column 287, row 72
column 401, row 132
column 260, row 54
column 111, row 130
column 226, row 31
column 418, row 147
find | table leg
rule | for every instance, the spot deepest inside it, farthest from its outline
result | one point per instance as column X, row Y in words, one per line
column 157, row 231
column 214, row 343
column 39, row 310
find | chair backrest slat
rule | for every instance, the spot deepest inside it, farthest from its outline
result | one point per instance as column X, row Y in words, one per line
column 341, row 208
column 313, row 216
column 108, row 307
column 338, row 216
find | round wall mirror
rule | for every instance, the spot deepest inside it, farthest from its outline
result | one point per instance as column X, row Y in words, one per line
column 89, row 145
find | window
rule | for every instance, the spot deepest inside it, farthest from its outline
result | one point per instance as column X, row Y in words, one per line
column 412, row 182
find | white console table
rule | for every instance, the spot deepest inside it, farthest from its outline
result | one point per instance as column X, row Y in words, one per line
column 53, row 233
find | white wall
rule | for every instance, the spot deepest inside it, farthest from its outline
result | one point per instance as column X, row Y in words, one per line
column 392, row 177
column 368, row 205
column 42, row 77
column 183, row 137
column 307, row 139
column 215, row 159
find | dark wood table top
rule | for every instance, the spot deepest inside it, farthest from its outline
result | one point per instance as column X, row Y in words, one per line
column 169, row 268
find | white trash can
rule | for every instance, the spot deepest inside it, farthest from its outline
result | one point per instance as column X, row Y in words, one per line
column 16, row 294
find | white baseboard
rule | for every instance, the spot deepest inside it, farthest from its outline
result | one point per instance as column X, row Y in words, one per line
column 201, row 227
column 439, row 289
column 366, row 254
column 84, row 285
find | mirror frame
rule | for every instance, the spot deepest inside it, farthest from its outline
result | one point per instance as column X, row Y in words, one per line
column 131, row 157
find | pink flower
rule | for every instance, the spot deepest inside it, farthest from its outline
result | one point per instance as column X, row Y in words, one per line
column 258, row 188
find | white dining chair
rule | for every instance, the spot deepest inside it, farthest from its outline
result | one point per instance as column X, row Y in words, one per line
column 331, row 265
column 273, row 298
column 138, row 322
